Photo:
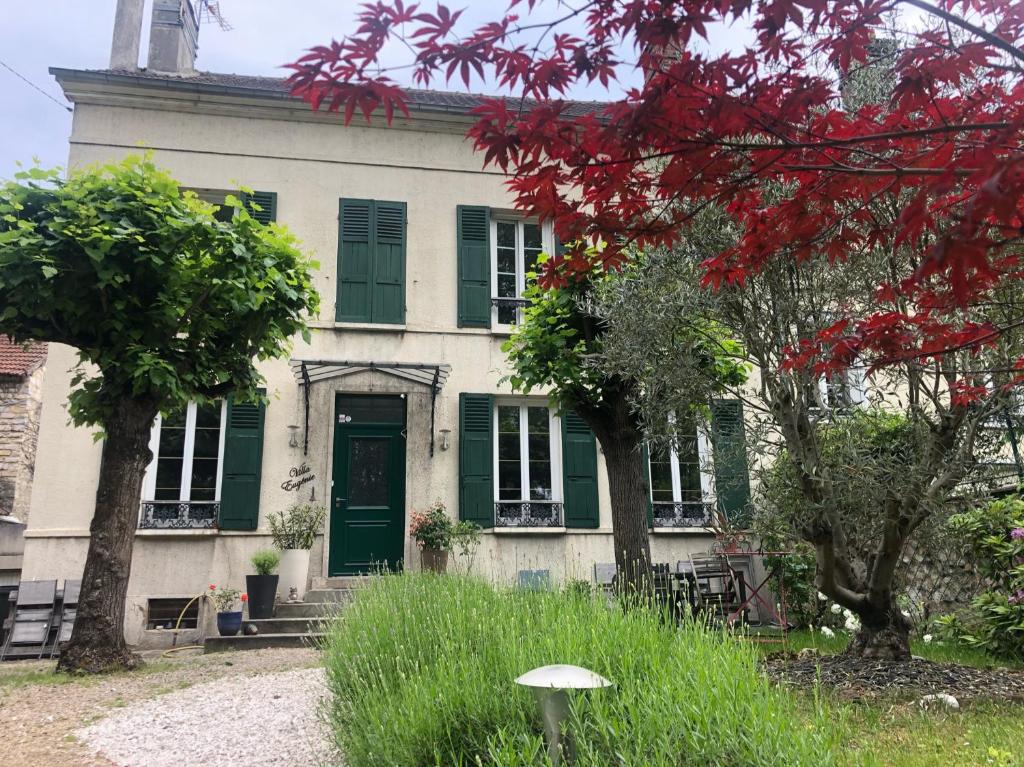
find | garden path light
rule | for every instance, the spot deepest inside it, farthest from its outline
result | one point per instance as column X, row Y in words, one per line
column 550, row 685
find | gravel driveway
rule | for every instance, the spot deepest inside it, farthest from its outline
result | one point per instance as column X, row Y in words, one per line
column 269, row 720
column 43, row 715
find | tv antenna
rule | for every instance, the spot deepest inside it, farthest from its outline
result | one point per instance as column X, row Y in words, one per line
column 209, row 12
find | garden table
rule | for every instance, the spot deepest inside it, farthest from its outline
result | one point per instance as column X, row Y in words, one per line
column 757, row 590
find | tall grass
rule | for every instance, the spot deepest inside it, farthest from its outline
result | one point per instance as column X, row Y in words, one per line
column 421, row 672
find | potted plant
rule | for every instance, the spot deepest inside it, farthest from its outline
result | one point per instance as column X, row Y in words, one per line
column 262, row 587
column 229, row 621
column 294, row 531
column 432, row 531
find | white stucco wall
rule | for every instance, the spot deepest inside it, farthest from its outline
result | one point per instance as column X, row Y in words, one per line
column 310, row 164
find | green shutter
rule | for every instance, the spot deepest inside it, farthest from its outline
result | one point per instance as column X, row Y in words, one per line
column 579, row 472
column 476, row 459
column 388, row 299
column 645, row 456
column 371, row 262
column 732, row 479
column 474, row 256
column 355, row 260
column 243, row 461
column 266, row 202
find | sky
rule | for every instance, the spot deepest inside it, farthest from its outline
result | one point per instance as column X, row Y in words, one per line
column 76, row 34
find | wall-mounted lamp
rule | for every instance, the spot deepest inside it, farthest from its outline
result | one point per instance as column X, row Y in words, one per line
column 293, row 435
column 445, row 441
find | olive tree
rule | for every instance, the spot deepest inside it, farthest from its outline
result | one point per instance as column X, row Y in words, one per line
column 559, row 347
column 165, row 304
column 945, row 403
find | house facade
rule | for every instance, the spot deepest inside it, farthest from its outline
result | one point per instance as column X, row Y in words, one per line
column 396, row 402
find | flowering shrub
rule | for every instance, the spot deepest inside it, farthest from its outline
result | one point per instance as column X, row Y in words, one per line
column 432, row 529
column 297, row 526
column 224, row 599
column 995, row 622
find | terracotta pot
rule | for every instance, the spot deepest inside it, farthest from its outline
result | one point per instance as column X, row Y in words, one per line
column 434, row 560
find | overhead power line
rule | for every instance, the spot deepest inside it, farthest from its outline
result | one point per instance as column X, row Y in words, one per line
column 32, row 85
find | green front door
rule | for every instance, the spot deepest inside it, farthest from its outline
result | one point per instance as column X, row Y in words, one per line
column 367, row 530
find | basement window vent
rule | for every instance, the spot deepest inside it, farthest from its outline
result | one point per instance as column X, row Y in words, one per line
column 163, row 614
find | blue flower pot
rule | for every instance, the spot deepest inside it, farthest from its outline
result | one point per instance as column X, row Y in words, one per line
column 229, row 624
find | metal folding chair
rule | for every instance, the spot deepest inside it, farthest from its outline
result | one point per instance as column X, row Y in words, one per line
column 68, row 611
column 33, row 616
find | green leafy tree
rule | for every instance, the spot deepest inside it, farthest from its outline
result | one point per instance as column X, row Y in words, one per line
column 559, row 348
column 165, row 304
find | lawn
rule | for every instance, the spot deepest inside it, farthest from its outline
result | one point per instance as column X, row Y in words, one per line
column 896, row 732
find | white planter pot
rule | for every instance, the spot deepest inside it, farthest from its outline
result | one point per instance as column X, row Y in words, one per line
column 294, row 571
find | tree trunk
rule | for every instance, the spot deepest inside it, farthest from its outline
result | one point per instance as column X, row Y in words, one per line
column 628, row 489
column 884, row 635
column 97, row 642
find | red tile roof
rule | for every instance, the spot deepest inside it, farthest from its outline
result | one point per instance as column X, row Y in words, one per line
column 20, row 359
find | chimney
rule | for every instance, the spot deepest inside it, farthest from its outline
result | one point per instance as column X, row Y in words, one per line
column 173, row 37
column 124, row 48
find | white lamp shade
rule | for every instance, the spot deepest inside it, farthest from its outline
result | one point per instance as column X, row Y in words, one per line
column 562, row 677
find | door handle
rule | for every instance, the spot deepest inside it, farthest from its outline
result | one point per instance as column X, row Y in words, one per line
column 339, row 502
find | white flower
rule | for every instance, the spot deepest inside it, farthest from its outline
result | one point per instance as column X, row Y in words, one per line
column 905, row 614
column 827, row 632
column 927, row 638
column 822, row 597
column 836, row 609
column 852, row 624
column 847, row 614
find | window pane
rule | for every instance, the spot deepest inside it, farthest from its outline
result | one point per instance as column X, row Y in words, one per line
column 661, row 476
column 168, row 479
column 507, row 286
column 509, row 475
column 368, row 471
column 507, row 234
column 539, row 444
column 689, row 464
column 208, row 415
column 506, row 260
column 531, row 237
column 207, row 443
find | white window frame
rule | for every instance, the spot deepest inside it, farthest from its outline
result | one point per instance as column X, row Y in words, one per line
column 555, row 437
column 853, row 379
column 185, row 490
column 705, row 461
column 547, row 241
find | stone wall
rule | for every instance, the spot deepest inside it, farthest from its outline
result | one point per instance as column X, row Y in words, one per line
column 20, row 403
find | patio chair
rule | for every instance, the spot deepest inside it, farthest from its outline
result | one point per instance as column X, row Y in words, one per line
column 720, row 589
column 68, row 611
column 33, row 616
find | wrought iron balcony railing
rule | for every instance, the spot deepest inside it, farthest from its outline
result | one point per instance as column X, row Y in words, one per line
column 179, row 515
column 527, row 514
column 684, row 514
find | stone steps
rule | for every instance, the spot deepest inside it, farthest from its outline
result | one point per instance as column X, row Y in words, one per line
column 295, row 624
column 260, row 641
column 276, row 625
column 307, row 609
